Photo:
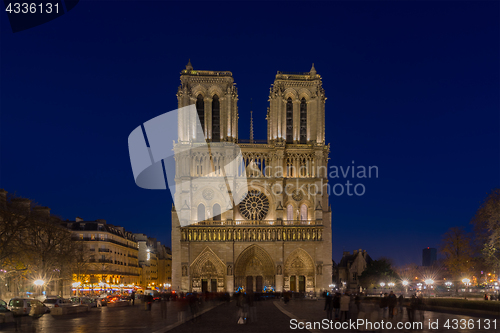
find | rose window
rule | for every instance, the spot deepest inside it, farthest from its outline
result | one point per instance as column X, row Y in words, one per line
column 254, row 206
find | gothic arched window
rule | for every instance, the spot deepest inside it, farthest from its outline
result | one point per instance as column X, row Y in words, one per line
column 303, row 120
column 303, row 212
column 289, row 212
column 200, row 108
column 201, row 212
column 215, row 119
column 216, row 212
column 289, row 120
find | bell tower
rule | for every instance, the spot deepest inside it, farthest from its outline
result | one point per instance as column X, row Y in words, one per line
column 215, row 95
column 297, row 109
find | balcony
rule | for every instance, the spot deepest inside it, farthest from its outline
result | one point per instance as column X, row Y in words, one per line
column 104, row 250
column 258, row 222
column 132, row 256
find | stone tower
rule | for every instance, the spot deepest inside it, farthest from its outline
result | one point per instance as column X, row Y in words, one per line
column 264, row 223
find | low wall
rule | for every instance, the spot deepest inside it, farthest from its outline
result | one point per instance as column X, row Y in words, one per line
column 62, row 310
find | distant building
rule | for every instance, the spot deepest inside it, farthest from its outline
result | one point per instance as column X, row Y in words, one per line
column 110, row 254
column 429, row 256
column 350, row 268
column 156, row 262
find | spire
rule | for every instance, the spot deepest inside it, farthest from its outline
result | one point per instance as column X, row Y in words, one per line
column 189, row 67
column 251, row 122
column 313, row 70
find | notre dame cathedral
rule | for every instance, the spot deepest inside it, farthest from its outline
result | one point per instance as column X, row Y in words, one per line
column 278, row 236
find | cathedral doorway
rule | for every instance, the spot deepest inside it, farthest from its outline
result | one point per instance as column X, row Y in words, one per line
column 254, row 269
column 293, row 284
column 249, row 286
column 299, row 272
column 207, row 272
column 258, row 284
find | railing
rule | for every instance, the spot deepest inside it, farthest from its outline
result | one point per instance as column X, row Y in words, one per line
column 132, row 256
column 294, row 73
column 258, row 222
column 103, row 240
column 104, row 250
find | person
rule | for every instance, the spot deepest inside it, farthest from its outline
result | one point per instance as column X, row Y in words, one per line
column 345, row 301
column 384, row 303
column 163, row 306
column 401, row 299
column 392, row 302
column 252, row 311
column 411, row 308
column 336, row 305
column 357, row 301
column 286, row 297
column 328, row 306
column 485, row 297
column 150, row 300
column 420, row 306
column 132, row 296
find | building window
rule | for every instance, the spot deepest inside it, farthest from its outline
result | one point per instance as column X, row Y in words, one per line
column 216, row 212
column 200, row 108
column 92, row 236
column 201, row 212
column 289, row 212
column 215, row 119
column 289, row 121
column 303, row 121
column 303, row 212
column 354, row 276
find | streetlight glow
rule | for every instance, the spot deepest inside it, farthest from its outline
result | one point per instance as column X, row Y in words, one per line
column 382, row 284
column 405, row 283
column 39, row 282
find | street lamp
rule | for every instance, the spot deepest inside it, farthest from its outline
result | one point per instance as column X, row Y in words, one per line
column 466, row 281
column 429, row 282
column 391, row 284
column 405, row 284
column 382, row 284
column 39, row 283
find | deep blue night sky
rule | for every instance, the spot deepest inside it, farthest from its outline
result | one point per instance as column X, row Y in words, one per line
column 412, row 87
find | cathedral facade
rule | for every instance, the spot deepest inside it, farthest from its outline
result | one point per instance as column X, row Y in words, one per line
column 277, row 235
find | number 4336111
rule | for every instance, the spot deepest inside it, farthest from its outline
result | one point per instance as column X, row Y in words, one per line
column 32, row 8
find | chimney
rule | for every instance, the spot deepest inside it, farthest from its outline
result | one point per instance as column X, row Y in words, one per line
column 355, row 252
column 78, row 219
column 101, row 221
column 360, row 251
column 3, row 198
column 22, row 204
column 41, row 211
column 346, row 253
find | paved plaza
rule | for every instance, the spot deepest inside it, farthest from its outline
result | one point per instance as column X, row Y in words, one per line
column 268, row 316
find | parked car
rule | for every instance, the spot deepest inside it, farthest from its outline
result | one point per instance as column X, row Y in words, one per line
column 84, row 301
column 57, row 302
column 27, row 306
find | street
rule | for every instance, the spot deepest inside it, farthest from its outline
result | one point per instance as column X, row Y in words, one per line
column 270, row 316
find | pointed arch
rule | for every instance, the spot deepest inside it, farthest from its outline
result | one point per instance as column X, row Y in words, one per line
column 200, row 109
column 201, row 212
column 207, row 263
column 216, row 212
column 289, row 120
column 303, row 121
column 215, row 119
column 254, row 261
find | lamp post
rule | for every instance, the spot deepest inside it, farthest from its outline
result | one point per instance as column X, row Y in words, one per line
column 39, row 283
column 429, row 283
column 466, row 281
column 405, row 284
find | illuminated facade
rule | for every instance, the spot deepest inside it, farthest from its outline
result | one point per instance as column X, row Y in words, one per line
column 279, row 236
column 110, row 253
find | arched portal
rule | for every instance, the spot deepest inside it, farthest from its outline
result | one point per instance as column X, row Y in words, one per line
column 207, row 272
column 299, row 272
column 254, row 269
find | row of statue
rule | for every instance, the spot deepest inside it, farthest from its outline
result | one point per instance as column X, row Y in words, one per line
column 251, row 234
